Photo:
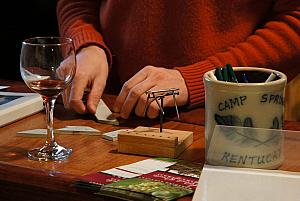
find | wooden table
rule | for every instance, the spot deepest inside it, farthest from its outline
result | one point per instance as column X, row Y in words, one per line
column 24, row 179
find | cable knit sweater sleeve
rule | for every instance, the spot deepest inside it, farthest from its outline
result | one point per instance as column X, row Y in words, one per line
column 80, row 21
column 276, row 45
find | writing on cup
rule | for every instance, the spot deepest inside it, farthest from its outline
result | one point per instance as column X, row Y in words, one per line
column 255, row 103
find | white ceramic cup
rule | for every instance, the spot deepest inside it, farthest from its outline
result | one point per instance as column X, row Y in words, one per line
column 257, row 104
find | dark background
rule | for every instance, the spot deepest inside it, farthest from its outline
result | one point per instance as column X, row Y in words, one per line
column 21, row 20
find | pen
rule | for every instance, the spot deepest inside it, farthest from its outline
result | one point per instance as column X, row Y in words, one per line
column 225, row 74
column 231, row 73
column 245, row 78
column 271, row 77
column 218, row 73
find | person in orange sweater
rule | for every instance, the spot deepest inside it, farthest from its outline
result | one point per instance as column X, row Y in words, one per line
column 139, row 45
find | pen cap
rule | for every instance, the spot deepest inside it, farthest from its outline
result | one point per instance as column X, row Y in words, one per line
column 257, row 104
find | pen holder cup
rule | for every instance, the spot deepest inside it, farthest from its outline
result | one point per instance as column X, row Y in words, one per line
column 251, row 103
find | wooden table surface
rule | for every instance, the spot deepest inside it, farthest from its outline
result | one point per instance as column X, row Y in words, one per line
column 24, row 179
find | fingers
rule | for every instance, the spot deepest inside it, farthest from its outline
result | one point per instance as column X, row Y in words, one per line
column 153, row 109
column 91, row 73
column 126, row 89
column 95, row 95
column 61, row 73
column 133, row 96
column 76, row 94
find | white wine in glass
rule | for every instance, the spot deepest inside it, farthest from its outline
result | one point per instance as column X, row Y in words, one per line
column 48, row 66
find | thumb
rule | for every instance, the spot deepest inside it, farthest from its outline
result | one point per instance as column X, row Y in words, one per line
column 94, row 97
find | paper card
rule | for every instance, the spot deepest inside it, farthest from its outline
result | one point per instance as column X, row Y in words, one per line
column 161, row 190
column 71, row 130
column 120, row 173
column 78, row 130
column 33, row 133
column 113, row 135
column 100, row 178
column 104, row 115
column 4, row 87
column 146, row 166
column 186, row 168
column 179, row 180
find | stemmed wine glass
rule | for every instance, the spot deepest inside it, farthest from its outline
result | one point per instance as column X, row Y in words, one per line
column 47, row 66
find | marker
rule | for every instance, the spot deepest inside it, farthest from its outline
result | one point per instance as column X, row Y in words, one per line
column 225, row 74
column 218, row 73
column 232, row 76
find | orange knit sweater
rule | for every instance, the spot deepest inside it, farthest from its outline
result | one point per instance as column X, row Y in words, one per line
column 193, row 36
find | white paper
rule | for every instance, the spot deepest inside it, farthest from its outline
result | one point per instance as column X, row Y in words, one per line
column 71, row 130
column 4, row 87
column 104, row 115
column 120, row 173
column 113, row 135
column 146, row 166
column 243, row 184
column 79, row 129
column 33, row 133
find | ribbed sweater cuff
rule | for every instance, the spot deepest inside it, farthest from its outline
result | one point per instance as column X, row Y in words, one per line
column 193, row 76
column 85, row 37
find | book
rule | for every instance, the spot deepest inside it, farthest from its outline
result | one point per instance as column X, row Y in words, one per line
column 150, row 179
column 15, row 106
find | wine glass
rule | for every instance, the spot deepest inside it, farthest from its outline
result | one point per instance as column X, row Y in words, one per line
column 47, row 66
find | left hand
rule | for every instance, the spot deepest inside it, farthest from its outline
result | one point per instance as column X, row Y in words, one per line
column 133, row 97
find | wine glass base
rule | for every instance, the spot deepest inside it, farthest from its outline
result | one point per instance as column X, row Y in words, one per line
column 50, row 153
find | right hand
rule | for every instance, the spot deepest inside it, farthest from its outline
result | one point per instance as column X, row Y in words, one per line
column 91, row 73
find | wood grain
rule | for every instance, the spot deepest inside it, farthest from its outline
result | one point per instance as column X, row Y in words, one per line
column 24, row 179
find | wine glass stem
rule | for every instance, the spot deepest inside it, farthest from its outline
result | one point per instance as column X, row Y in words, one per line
column 49, row 106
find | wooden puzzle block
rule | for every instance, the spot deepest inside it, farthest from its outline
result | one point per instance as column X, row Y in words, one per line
column 150, row 142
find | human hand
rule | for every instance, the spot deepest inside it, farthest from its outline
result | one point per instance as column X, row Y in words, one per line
column 133, row 97
column 91, row 73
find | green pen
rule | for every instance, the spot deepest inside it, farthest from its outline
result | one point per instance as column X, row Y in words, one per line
column 225, row 74
column 218, row 73
column 232, row 76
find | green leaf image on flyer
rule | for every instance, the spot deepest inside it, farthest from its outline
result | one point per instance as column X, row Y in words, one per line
column 164, row 191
